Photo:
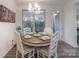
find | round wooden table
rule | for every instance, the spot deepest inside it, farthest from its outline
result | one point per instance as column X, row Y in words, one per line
column 36, row 41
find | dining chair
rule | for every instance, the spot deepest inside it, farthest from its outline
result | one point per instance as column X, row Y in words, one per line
column 27, row 29
column 51, row 50
column 23, row 49
column 48, row 31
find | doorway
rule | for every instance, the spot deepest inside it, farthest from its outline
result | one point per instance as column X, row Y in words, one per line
column 77, row 20
column 56, row 22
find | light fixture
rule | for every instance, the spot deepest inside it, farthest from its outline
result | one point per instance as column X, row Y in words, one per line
column 34, row 6
column 30, row 7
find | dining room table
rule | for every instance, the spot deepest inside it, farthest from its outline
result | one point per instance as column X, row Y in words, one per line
column 36, row 41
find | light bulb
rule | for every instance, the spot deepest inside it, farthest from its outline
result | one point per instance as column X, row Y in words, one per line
column 36, row 5
column 39, row 8
column 55, row 14
column 58, row 11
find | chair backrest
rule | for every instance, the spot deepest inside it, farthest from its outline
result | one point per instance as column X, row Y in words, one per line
column 27, row 29
column 53, row 45
column 48, row 30
column 19, row 44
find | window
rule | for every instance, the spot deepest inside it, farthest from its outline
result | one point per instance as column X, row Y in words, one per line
column 27, row 20
column 39, row 21
column 35, row 18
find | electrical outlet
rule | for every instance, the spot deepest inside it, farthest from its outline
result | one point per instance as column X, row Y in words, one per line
column 12, row 42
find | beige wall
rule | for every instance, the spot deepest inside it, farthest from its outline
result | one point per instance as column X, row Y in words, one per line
column 48, row 15
column 70, row 24
column 7, row 29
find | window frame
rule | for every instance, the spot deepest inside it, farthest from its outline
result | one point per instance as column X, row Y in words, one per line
column 33, row 19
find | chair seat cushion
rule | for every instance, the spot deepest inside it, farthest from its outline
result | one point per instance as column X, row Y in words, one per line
column 28, row 36
column 27, row 49
column 44, row 50
column 45, row 38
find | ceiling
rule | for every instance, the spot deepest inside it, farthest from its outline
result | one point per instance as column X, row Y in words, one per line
column 54, row 2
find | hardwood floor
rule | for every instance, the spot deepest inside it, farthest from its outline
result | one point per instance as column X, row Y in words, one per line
column 64, row 51
column 67, row 51
column 11, row 53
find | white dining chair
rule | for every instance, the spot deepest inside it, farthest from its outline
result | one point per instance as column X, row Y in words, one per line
column 23, row 49
column 51, row 50
column 48, row 31
column 27, row 29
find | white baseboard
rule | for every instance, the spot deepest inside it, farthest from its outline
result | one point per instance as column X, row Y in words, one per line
column 7, row 52
column 76, row 46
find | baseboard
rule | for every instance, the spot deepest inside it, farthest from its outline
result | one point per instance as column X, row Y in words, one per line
column 7, row 51
column 75, row 46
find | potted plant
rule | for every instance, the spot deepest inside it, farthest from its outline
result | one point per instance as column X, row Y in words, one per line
column 18, row 29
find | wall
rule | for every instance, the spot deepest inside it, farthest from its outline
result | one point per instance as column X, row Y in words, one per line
column 48, row 15
column 7, row 29
column 49, row 8
column 77, row 14
column 70, row 25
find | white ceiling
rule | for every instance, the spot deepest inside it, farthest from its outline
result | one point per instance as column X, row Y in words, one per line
column 54, row 2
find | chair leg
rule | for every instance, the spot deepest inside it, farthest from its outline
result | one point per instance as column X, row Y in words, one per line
column 22, row 55
column 43, row 56
column 29, row 55
column 55, row 55
column 37, row 54
column 34, row 53
column 16, row 54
